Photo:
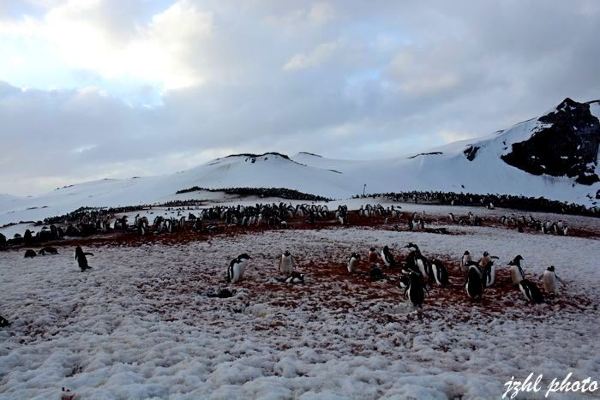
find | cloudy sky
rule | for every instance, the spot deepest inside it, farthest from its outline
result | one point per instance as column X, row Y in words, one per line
column 119, row 88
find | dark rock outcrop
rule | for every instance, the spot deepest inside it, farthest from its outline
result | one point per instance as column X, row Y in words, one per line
column 566, row 146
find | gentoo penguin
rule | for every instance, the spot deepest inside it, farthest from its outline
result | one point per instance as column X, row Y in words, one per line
column 387, row 257
column 417, row 262
column 531, row 291
column 236, row 269
column 415, row 291
column 4, row 322
column 439, row 272
column 286, row 263
column 516, row 271
column 549, row 279
column 489, row 274
column 47, row 250
column 474, row 285
column 353, row 262
column 295, row 277
column 485, row 260
column 30, row 253
column 465, row 262
column 376, row 273
column 81, row 259
column 373, row 256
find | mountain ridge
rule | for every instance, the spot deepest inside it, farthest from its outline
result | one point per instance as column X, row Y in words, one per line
column 475, row 165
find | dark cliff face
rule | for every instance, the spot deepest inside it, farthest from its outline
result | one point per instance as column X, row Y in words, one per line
column 567, row 147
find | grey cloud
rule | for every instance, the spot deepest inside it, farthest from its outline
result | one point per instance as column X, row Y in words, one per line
column 469, row 67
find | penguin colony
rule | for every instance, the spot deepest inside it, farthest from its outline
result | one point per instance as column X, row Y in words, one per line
column 418, row 273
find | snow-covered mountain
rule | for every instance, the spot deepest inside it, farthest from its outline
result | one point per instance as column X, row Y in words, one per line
column 554, row 156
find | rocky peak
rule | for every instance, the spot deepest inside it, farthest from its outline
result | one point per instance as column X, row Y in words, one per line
column 565, row 144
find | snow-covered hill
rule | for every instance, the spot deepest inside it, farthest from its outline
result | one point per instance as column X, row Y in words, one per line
column 486, row 165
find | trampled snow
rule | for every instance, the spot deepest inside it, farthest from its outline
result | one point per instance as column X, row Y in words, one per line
column 139, row 325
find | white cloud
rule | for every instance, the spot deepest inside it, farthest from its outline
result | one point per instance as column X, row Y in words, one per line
column 319, row 55
column 77, row 35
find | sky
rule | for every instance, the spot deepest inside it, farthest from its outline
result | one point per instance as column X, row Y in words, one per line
column 91, row 89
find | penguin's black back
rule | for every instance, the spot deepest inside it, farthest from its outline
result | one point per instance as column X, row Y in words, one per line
column 416, row 290
column 474, row 284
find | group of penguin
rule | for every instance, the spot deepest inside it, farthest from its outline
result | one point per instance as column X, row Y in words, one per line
column 80, row 256
column 237, row 267
column 418, row 272
column 482, row 274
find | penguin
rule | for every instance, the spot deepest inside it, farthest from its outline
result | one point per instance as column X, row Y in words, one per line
column 4, row 322
column 353, row 262
column 236, row 269
column 549, row 279
column 48, row 250
column 295, row 277
column 415, row 291
column 516, row 271
column 404, row 280
column 373, row 256
column 465, row 262
column 440, row 273
column 531, row 291
column 474, row 286
column 376, row 273
column 489, row 274
column 387, row 257
column 418, row 263
column 81, row 259
column 286, row 263
column 221, row 293
column 30, row 253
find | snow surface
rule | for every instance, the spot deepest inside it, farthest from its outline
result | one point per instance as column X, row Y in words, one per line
column 138, row 326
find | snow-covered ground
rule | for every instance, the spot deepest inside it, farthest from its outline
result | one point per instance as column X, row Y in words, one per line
column 140, row 326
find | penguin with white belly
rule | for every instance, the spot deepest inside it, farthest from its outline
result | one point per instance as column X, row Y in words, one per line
column 516, row 271
column 387, row 257
column 353, row 263
column 286, row 263
column 439, row 272
column 237, row 267
column 531, row 291
column 550, row 280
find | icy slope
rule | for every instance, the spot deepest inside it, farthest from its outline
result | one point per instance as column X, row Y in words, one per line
column 475, row 166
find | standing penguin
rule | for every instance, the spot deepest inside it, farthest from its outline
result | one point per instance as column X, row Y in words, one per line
column 353, row 262
column 373, row 256
column 81, row 259
column 549, row 279
column 516, row 271
column 531, row 291
column 387, row 257
column 465, row 262
column 489, row 274
column 237, row 267
column 286, row 263
column 474, row 286
column 439, row 272
column 417, row 262
column 415, row 290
